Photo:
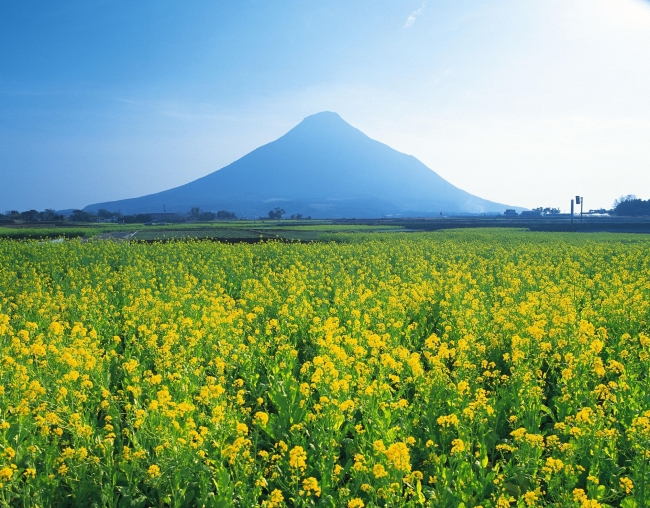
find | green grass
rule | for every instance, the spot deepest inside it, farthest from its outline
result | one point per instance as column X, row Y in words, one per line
column 33, row 233
column 218, row 230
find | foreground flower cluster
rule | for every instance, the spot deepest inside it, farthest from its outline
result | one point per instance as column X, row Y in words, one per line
column 450, row 369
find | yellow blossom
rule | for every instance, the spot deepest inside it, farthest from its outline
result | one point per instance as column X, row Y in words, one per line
column 298, row 458
column 153, row 471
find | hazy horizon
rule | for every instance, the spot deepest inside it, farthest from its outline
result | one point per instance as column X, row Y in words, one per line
column 527, row 104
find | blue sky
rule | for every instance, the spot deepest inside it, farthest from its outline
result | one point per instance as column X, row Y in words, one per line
column 525, row 103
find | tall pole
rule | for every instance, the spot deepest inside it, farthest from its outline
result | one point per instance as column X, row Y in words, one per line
column 572, row 211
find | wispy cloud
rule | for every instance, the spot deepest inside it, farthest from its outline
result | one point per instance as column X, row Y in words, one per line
column 414, row 15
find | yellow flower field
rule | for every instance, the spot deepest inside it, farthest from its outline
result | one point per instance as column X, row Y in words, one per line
column 459, row 369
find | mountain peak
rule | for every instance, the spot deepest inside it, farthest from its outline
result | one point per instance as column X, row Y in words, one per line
column 325, row 123
column 324, row 116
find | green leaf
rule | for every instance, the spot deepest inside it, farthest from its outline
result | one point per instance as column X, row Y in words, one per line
column 628, row 502
column 418, row 490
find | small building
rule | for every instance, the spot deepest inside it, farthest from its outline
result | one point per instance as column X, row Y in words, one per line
column 530, row 213
column 510, row 213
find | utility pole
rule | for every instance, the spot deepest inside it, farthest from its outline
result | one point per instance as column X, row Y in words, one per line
column 579, row 201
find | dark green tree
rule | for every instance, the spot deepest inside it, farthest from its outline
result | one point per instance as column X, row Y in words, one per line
column 105, row 214
column 630, row 206
column 81, row 216
column 50, row 215
column 276, row 213
column 140, row 218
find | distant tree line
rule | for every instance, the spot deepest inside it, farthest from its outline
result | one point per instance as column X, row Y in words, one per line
column 197, row 215
column 103, row 215
column 631, row 206
column 277, row 213
column 47, row 215
column 625, row 206
column 547, row 211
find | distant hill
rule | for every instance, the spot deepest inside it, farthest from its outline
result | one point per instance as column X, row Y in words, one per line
column 323, row 167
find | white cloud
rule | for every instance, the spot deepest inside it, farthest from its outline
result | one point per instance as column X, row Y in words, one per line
column 414, row 15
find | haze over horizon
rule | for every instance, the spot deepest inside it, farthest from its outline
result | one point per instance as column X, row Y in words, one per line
column 526, row 104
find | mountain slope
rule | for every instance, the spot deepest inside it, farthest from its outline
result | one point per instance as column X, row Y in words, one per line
column 323, row 167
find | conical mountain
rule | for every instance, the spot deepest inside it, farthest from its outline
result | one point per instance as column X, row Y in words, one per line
column 323, row 167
